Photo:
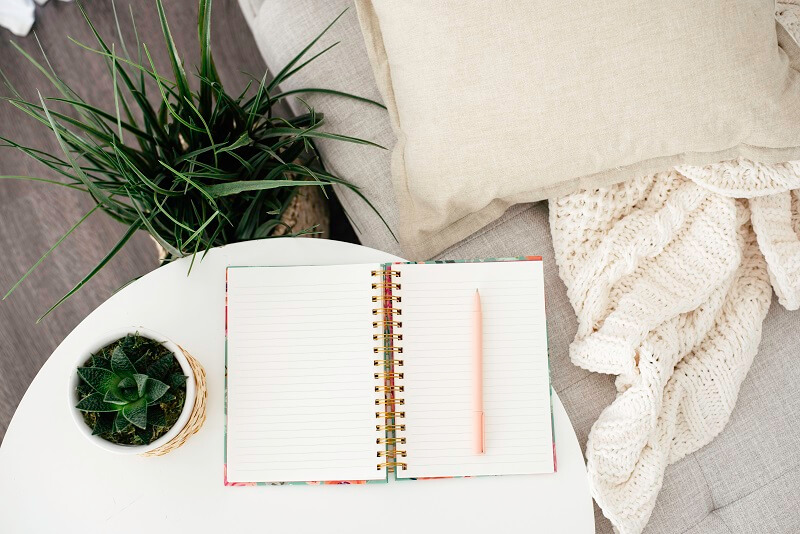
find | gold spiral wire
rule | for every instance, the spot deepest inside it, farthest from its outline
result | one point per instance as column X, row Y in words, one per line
column 389, row 336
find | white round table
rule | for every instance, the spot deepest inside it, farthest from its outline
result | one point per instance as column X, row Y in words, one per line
column 52, row 479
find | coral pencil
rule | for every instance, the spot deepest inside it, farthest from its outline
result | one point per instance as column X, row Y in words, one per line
column 477, row 362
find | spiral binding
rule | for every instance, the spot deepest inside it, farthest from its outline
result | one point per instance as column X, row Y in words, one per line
column 387, row 326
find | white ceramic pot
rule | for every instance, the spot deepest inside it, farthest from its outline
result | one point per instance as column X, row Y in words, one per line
column 93, row 348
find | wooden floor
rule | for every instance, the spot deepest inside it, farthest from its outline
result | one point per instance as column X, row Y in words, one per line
column 33, row 216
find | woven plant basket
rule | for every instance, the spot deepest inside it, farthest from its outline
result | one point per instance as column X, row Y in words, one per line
column 198, row 415
column 307, row 208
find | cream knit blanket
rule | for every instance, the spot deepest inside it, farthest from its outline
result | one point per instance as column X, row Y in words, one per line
column 670, row 279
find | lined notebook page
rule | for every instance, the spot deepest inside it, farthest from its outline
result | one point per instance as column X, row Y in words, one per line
column 437, row 304
column 301, row 399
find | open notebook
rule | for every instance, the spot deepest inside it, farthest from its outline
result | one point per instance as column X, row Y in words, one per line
column 352, row 372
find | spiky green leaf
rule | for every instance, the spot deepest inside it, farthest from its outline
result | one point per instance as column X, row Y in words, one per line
column 103, row 424
column 136, row 413
column 284, row 72
column 112, row 397
column 121, row 364
column 141, row 364
column 177, row 65
column 161, row 367
column 128, row 343
column 51, row 249
column 98, row 360
column 99, row 195
column 124, row 239
column 156, row 416
column 83, row 389
column 141, row 383
column 154, row 390
column 127, row 383
column 101, row 380
column 120, row 423
column 284, row 94
column 234, row 188
column 95, row 403
column 177, row 379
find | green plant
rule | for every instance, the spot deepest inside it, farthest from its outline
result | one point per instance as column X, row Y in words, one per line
column 132, row 391
column 199, row 169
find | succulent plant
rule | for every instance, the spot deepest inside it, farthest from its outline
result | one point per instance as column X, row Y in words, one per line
column 132, row 391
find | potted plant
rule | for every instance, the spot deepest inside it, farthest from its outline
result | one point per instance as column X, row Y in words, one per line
column 136, row 392
column 178, row 156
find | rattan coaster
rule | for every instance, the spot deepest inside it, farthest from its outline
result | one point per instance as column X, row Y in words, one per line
column 198, row 416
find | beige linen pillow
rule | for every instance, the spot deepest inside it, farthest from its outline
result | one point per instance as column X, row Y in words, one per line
column 500, row 102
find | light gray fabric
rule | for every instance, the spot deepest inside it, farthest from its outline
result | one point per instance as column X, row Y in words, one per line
column 771, row 508
column 749, row 476
column 746, row 480
column 282, row 29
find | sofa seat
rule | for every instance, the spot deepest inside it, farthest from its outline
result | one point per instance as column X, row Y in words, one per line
column 747, row 480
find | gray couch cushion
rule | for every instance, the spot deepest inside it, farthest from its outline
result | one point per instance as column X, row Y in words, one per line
column 746, row 480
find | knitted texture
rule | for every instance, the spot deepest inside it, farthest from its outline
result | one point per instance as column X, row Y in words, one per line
column 670, row 279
